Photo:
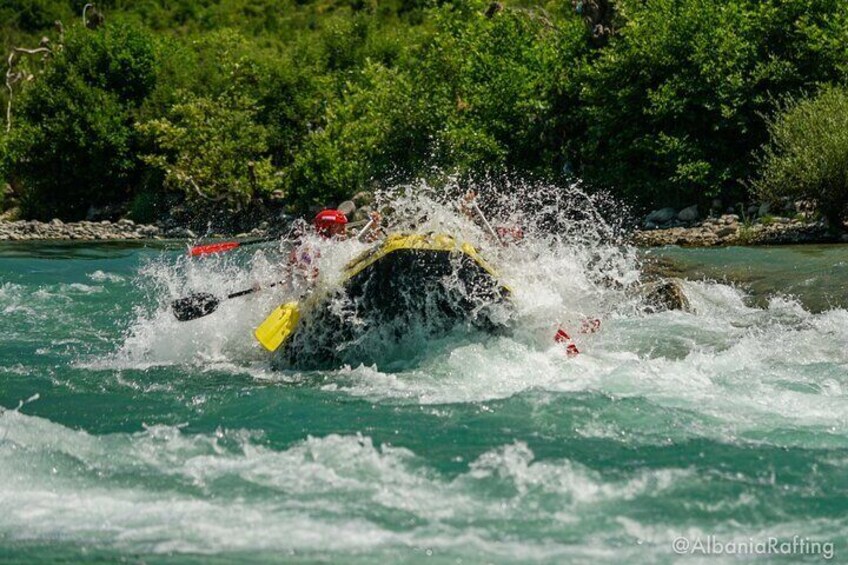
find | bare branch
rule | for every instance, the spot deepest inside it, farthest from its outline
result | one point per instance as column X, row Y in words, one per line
column 13, row 77
column 200, row 192
column 31, row 51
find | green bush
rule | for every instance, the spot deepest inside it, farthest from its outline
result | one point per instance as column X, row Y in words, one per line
column 74, row 139
column 807, row 155
column 492, row 83
column 672, row 108
column 475, row 97
column 213, row 150
column 327, row 97
column 32, row 15
column 145, row 207
column 375, row 130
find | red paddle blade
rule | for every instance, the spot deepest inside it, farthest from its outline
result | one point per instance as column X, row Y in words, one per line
column 212, row 248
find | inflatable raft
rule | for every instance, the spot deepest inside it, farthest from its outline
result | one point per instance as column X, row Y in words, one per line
column 402, row 291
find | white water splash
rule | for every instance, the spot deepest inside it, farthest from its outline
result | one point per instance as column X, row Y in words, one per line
column 739, row 368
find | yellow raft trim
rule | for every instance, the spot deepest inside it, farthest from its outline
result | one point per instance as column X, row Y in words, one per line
column 428, row 242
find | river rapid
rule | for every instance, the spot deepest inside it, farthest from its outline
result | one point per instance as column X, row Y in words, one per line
column 127, row 434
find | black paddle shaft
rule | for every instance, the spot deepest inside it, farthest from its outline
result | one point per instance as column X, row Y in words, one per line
column 202, row 304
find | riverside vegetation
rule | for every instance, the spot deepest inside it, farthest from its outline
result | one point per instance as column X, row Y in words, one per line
column 140, row 109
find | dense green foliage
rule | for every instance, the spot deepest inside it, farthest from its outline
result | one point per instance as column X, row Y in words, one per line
column 234, row 99
column 75, row 136
column 807, row 156
column 675, row 105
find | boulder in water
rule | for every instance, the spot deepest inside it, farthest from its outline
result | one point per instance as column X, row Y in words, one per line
column 664, row 295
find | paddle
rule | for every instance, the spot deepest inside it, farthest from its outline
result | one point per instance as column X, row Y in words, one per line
column 486, row 222
column 202, row 304
column 365, row 229
column 223, row 246
column 278, row 326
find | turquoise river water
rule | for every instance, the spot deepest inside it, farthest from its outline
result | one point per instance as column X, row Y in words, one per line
column 125, row 434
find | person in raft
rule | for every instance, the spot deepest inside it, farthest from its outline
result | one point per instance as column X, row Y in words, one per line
column 329, row 224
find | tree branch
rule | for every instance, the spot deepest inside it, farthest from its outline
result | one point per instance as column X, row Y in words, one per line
column 13, row 77
column 200, row 192
column 26, row 51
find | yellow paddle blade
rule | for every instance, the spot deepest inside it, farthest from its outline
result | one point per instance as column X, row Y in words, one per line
column 278, row 326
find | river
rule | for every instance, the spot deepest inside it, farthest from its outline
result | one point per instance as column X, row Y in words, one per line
column 126, row 434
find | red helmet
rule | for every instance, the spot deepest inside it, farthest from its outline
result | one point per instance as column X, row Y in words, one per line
column 330, row 222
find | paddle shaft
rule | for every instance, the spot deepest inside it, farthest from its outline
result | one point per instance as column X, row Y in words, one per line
column 365, row 229
column 222, row 246
column 202, row 304
column 486, row 223
column 252, row 290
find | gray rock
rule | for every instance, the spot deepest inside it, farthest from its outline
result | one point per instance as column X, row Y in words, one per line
column 347, row 208
column 661, row 216
column 126, row 222
column 10, row 214
column 725, row 231
column 362, row 198
column 361, row 214
column 149, row 231
column 689, row 214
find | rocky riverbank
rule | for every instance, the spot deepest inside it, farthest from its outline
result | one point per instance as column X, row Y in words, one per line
column 121, row 230
column 262, row 222
column 730, row 230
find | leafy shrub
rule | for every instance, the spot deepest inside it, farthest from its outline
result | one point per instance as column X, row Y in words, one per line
column 32, row 15
column 376, row 129
column 213, row 150
column 491, row 82
column 74, row 137
column 807, row 155
column 475, row 97
column 144, row 207
column 672, row 106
